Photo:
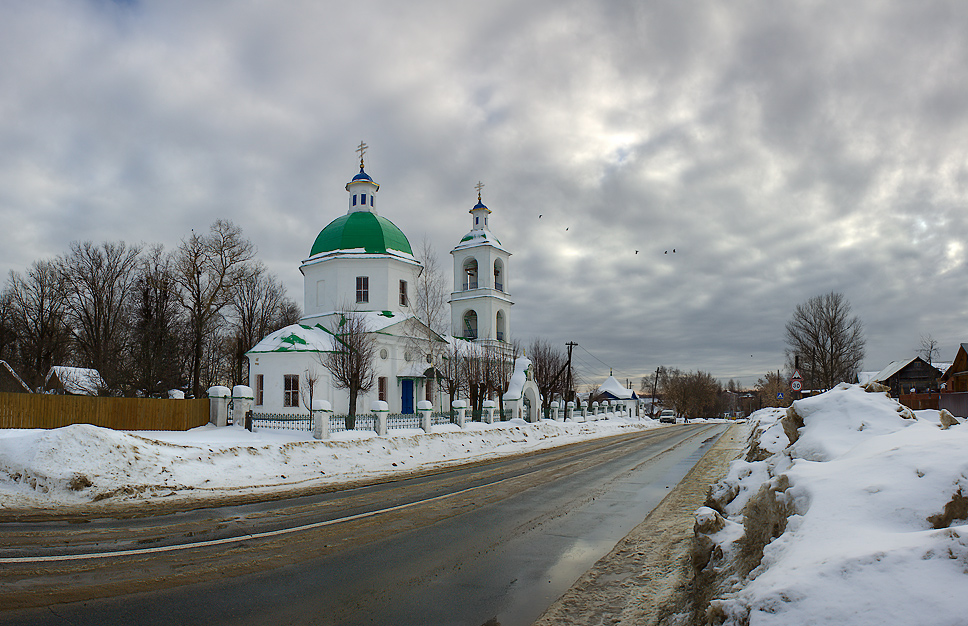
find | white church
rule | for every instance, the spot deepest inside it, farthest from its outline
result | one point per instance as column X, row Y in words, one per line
column 362, row 263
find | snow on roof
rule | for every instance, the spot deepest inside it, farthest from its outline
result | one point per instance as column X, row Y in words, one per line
column 893, row 368
column 78, row 381
column 614, row 388
column 296, row 338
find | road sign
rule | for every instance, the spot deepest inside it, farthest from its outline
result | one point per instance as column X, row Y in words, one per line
column 796, row 385
column 796, row 375
column 779, row 395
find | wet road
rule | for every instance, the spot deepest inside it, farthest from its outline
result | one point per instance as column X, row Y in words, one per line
column 492, row 543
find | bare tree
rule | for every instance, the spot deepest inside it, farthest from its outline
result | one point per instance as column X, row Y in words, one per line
column 548, row 365
column 472, row 376
column 259, row 306
column 308, row 389
column 8, row 336
column 450, row 368
column 770, row 387
column 38, row 314
column 206, row 268
column 98, row 281
column 429, row 306
column 352, row 362
column 157, row 359
column 929, row 349
column 500, row 368
column 690, row 394
column 829, row 341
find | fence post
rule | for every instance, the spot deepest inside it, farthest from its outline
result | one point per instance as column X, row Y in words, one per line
column 460, row 406
column 242, row 399
column 594, row 411
column 570, row 411
column 425, row 409
column 488, row 411
column 554, row 410
column 323, row 410
column 218, row 405
column 380, row 409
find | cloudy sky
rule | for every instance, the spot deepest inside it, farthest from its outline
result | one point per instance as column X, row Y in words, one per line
column 784, row 150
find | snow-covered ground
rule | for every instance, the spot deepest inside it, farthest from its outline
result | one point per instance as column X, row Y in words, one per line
column 83, row 464
column 859, row 520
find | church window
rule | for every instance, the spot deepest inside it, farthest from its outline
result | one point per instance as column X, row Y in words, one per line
column 500, row 325
column 371, row 199
column 259, row 388
column 470, row 325
column 477, row 220
column 470, row 274
column 383, row 388
column 404, row 301
column 363, row 199
column 498, row 279
column 354, row 199
column 291, row 390
column 362, row 288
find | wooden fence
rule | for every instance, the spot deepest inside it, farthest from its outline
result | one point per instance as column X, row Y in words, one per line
column 34, row 410
column 919, row 401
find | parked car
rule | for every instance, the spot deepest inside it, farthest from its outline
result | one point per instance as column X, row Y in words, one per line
column 667, row 416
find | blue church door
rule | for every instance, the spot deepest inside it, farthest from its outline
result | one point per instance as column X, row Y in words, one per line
column 407, row 396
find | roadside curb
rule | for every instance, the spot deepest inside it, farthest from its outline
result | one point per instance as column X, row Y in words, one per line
column 647, row 575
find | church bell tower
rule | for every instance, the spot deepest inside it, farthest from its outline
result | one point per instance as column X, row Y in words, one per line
column 480, row 303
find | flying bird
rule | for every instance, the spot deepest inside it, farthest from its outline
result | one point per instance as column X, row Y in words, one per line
column 539, row 215
column 636, row 252
column 666, row 252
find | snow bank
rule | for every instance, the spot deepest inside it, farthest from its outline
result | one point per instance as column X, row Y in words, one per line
column 83, row 463
column 850, row 510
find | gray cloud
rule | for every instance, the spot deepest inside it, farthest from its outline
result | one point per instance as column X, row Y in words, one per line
column 783, row 150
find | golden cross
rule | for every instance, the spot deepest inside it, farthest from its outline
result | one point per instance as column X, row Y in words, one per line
column 362, row 150
column 479, row 186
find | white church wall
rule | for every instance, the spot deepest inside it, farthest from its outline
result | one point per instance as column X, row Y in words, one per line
column 338, row 277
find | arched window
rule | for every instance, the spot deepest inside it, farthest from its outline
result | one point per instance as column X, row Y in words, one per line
column 470, row 274
column 500, row 325
column 498, row 275
column 470, row 325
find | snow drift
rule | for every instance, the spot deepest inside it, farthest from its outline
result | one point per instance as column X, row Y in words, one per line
column 82, row 464
column 848, row 509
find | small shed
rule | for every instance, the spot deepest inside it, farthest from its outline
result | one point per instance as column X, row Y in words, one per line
column 74, row 381
column 10, row 382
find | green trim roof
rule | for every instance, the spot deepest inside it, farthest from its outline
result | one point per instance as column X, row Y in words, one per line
column 361, row 229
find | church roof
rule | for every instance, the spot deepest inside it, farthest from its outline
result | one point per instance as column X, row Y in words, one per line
column 361, row 230
column 362, row 176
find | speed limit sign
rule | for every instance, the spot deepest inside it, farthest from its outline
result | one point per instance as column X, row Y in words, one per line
column 796, row 385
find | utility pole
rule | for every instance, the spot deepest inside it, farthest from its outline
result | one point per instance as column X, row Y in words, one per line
column 655, row 385
column 570, row 397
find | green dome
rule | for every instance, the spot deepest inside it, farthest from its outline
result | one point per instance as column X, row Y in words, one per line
column 361, row 229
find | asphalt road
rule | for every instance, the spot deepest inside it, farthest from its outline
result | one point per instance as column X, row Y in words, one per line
column 490, row 543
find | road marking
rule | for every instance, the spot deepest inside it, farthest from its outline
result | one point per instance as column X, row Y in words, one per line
column 240, row 538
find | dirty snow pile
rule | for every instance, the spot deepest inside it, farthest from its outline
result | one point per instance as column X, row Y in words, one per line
column 81, row 464
column 848, row 509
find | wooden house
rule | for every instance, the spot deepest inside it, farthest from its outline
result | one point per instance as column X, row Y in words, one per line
column 955, row 378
